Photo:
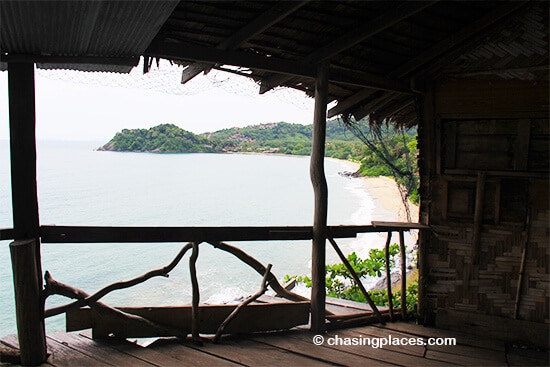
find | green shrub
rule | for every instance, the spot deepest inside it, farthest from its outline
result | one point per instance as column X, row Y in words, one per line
column 340, row 284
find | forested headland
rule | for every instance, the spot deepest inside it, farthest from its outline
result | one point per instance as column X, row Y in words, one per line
column 279, row 138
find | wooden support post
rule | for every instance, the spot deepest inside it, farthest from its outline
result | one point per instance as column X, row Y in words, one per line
column 320, row 189
column 521, row 152
column 29, row 306
column 427, row 148
column 23, row 150
column 25, row 255
column 478, row 217
column 403, row 276
column 388, row 275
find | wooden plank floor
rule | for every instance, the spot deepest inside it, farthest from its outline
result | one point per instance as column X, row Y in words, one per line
column 291, row 348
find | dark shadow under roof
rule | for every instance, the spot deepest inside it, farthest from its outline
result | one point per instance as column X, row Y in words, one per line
column 380, row 52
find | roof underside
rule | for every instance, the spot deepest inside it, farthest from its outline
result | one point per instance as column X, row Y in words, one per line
column 380, row 52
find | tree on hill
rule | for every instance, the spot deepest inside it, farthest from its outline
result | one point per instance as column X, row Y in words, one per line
column 161, row 138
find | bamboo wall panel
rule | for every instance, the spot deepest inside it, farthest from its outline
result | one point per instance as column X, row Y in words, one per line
column 489, row 287
column 488, row 257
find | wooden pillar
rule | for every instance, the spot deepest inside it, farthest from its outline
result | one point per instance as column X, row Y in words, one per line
column 320, row 189
column 25, row 251
column 478, row 216
column 426, row 162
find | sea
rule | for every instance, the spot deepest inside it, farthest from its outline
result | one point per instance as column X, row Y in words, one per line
column 79, row 185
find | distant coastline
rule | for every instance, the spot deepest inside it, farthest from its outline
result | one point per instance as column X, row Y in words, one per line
column 272, row 138
column 278, row 138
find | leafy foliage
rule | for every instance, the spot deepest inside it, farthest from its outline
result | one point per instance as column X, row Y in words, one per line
column 340, row 284
column 380, row 297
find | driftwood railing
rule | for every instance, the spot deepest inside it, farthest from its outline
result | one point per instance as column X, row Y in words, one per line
column 211, row 235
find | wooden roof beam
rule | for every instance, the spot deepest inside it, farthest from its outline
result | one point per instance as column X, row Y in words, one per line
column 210, row 55
column 384, row 107
column 375, row 82
column 354, row 37
column 273, row 15
column 447, row 44
column 375, row 104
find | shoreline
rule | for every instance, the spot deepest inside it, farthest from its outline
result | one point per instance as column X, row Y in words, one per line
column 386, row 197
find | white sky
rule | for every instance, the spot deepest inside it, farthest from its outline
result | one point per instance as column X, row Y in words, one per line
column 86, row 110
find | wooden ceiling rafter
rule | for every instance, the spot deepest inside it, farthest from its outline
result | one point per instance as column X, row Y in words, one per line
column 374, row 104
column 440, row 48
column 374, row 81
column 482, row 72
column 394, row 107
column 450, row 43
column 349, row 102
column 210, row 55
column 255, row 27
column 497, row 25
column 352, row 38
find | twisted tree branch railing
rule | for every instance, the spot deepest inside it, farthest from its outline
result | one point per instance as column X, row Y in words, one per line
column 260, row 269
column 164, row 271
column 357, row 280
column 53, row 287
column 249, row 300
column 82, row 298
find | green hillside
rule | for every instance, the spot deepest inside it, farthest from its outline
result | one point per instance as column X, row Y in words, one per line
column 165, row 138
column 279, row 137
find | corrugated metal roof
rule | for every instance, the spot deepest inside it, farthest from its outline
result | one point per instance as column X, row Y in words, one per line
column 106, row 29
column 393, row 43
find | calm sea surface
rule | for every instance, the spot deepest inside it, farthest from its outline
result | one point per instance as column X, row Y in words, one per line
column 80, row 186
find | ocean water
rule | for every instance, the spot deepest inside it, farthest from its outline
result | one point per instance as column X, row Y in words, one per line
column 78, row 185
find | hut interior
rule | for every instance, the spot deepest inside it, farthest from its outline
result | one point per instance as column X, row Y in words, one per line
column 472, row 75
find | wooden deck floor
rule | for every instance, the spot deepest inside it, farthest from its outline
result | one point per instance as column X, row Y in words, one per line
column 292, row 348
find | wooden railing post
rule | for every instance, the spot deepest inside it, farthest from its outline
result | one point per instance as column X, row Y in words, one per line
column 403, row 275
column 25, row 250
column 388, row 274
column 320, row 189
column 195, row 312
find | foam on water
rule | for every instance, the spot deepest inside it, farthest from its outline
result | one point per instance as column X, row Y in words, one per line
column 78, row 186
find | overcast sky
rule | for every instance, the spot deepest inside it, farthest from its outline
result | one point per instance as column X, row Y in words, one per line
column 83, row 106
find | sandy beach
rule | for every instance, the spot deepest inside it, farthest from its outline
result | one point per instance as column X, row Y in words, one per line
column 387, row 199
column 386, row 195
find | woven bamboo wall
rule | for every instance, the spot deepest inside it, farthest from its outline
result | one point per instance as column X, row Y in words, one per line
column 485, row 193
